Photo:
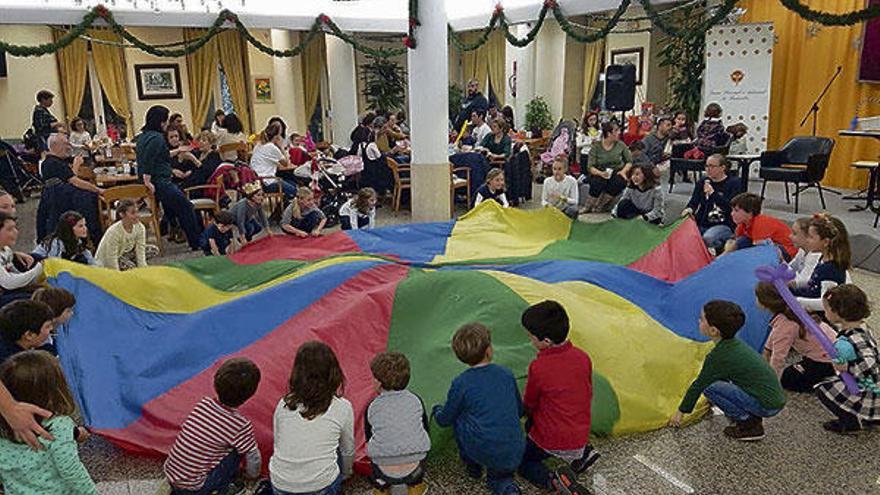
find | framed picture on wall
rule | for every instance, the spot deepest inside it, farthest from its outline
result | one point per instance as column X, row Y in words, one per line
column 158, row 81
column 263, row 89
column 630, row 56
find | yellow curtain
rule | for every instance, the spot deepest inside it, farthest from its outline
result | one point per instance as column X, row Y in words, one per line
column 314, row 64
column 73, row 66
column 475, row 63
column 803, row 61
column 232, row 51
column 110, row 66
column 495, row 63
column 592, row 65
column 201, row 76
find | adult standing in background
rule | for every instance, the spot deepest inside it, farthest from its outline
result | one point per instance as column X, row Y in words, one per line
column 473, row 101
column 154, row 167
column 43, row 122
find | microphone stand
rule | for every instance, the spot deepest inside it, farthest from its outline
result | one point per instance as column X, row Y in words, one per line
column 814, row 110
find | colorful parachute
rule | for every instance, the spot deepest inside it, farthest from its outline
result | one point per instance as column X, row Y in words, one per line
column 144, row 344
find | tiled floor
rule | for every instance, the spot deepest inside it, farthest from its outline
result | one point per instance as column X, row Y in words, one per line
column 797, row 456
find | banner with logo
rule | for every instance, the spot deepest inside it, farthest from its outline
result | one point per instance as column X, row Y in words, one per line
column 739, row 66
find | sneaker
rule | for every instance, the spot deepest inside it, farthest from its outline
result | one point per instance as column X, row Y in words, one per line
column 588, row 459
column 511, row 489
column 750, row 430
column 420, row 489
column 565, row 481
column 837, row 426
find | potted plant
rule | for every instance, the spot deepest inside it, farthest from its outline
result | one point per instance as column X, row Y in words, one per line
column 538, row 116
column 384, row 84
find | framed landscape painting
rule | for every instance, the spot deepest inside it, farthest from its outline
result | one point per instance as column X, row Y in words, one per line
column 630, row 56
column 158, row 81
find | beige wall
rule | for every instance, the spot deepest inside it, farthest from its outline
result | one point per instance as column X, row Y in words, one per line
column 26, row 76
column 618, row 41
column 573, row 86
column 260, row 64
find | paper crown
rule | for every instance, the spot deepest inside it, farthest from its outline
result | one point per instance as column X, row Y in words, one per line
column 251, row 188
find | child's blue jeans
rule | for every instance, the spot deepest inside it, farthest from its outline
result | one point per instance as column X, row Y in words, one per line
column 219, row 478
column 499, row 481
column 735, row 402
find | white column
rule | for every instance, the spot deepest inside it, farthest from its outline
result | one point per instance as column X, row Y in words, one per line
column 525, row 75
column 550, row 66
column 288, row 76
column 428, row 75
column 343, row 89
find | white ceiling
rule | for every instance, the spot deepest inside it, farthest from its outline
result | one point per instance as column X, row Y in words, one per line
column 350, row 15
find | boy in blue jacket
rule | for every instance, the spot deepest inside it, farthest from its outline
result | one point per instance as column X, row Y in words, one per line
column 484, row 406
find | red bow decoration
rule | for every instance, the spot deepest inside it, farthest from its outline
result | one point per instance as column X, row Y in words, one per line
column 325, row 19
column 409, row 42
column 102, row 11
column 499, row 9
column 413, row 22
column 550, row 4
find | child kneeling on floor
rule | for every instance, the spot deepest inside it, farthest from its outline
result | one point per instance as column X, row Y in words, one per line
column 483, row 406
column 846, row 306
column 35, row 377
column 217, row 238
column 359, row 212
column 396, row 429
column 302, row 217
column 559, row 390
column 734, row 377
column 215, row 437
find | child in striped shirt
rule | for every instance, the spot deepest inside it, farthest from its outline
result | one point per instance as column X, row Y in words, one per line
column 212, row 441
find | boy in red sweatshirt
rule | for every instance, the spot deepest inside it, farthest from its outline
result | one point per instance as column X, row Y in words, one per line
column 557, row 400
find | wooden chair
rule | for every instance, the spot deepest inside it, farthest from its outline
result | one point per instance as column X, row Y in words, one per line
column 457, row 182
column 400, row 183
column 137, row 193
column 240, row 147
column 273, row 202
column 207, row 202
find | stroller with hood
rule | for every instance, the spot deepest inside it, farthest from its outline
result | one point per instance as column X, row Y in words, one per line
column 326, row 177
column 562, row 141
column 15, row 178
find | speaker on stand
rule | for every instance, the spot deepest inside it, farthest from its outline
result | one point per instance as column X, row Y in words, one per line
column 620, row 87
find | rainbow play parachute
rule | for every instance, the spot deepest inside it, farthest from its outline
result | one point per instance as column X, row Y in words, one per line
column 144, row 344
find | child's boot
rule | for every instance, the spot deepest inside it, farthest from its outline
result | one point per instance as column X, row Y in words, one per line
column 749, row 430
column 590, row 456
column 590, row 205
column 419, row 489
column 606, row 202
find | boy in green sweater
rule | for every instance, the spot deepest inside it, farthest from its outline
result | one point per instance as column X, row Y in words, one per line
column 734, row 377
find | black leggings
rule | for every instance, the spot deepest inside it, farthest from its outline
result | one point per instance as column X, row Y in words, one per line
column 612, row 187
column 803, row 376
column 847, row 419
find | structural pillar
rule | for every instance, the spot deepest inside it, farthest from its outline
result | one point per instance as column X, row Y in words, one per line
column 524, row 58
column 550, row 66
column 428, row 76
column 343, row 89
column 287, row 73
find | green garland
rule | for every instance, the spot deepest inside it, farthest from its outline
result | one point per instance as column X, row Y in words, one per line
column 827, row 19
column 698, row 29
column 596, row 36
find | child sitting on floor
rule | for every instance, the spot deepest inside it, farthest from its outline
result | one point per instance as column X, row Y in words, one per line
column 787, row 333
column 483, row 406
column 753, row 227
column 314, row 426
column 560, row 189
column 217, row 238
column 250, row 219
column 25, row 325
column 828, row 236
column 13, row 283
column 215, row 437
column 359, row 212
column 734, row 377
column 70, row 241
column 493, row 189
column 124, row 244
column 804, row 261
column 396, row 429
column 302, row 217
column 846, row 306
column 557, row 400
column 35, row 377
column 643, row 198
column 61, row 301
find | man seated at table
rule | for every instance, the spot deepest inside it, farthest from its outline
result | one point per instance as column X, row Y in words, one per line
column 63, row 190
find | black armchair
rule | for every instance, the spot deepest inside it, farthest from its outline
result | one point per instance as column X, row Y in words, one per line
column 680, row 164
column 803, row 160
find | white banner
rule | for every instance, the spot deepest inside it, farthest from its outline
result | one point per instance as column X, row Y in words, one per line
column 739, row 66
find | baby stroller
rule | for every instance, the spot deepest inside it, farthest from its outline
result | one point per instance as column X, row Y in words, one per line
column 15, row 178
column 562, row 141
column 327, row 178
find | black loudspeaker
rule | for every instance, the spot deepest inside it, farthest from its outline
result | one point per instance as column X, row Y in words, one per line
column 620, row 87
column 2, row 63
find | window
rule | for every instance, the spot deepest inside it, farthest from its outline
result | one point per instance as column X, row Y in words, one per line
column 96, row 111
